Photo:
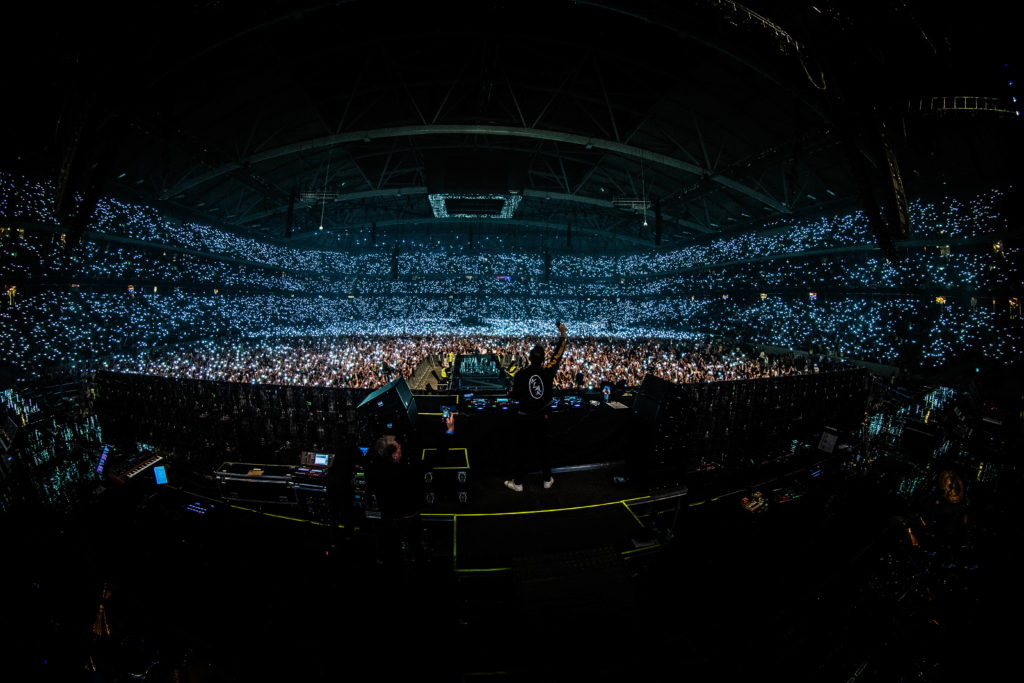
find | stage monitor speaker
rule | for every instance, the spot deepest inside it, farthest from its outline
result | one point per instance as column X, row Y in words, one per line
column 651, row 398
column 389, row 409
column 662, row 454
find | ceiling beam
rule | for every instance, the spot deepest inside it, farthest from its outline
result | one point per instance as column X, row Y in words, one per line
column 622, row 149
column 606, row 204
column 346, row 197
column 537, row 194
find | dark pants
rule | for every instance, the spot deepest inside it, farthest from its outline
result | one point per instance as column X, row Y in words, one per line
column 531, row 444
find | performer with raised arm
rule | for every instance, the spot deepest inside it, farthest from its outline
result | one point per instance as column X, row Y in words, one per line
column 532, row 388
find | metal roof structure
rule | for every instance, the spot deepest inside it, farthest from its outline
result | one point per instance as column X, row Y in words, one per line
column 636, row 123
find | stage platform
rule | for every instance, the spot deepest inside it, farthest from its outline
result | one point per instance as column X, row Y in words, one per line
column 594, row 511
column 499, row 541
column 583, row 431
column 497, row 529
column 600, row 512
column 590, row 514
column 583, row 523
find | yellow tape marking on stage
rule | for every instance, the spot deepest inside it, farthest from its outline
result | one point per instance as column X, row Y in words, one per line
column 465, row 452
column 634, row 514
column 534, row 512
column 637, row 550
column 455, row 538
column 290, row 519
column 455, row 521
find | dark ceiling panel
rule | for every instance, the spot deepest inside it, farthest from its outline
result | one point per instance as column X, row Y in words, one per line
column 727, row 114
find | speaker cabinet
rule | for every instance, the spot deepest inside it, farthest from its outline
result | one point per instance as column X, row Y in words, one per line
column 389, row 409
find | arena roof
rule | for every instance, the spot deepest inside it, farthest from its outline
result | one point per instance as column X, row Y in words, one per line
column 602, row 115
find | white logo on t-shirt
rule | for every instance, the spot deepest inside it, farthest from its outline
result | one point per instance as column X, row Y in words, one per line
column 536, row 386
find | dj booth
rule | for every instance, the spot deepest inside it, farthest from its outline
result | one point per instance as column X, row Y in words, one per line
column 478, row 373
column 663, row 430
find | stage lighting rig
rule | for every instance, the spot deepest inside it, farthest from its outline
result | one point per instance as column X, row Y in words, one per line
column 314, row 197
column 474, row 205
column 632, row 203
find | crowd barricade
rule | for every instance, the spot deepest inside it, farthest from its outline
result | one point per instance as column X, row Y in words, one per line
column 224, row 416
column 726, row 421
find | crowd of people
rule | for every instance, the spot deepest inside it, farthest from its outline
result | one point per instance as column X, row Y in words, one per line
column 140, row 281
column 39, row 257
column 943, row 218
column 81, row 327
column 358, row 363
column 366, row 363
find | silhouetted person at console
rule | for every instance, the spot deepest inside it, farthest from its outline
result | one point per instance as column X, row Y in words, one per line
column 394, row 480
column 395, row 484
column 532, row 389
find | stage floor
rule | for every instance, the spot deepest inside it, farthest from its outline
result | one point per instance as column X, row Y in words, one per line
column 581, row 434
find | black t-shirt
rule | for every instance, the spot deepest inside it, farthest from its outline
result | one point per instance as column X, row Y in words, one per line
column 533, row 384
column 532, row 388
